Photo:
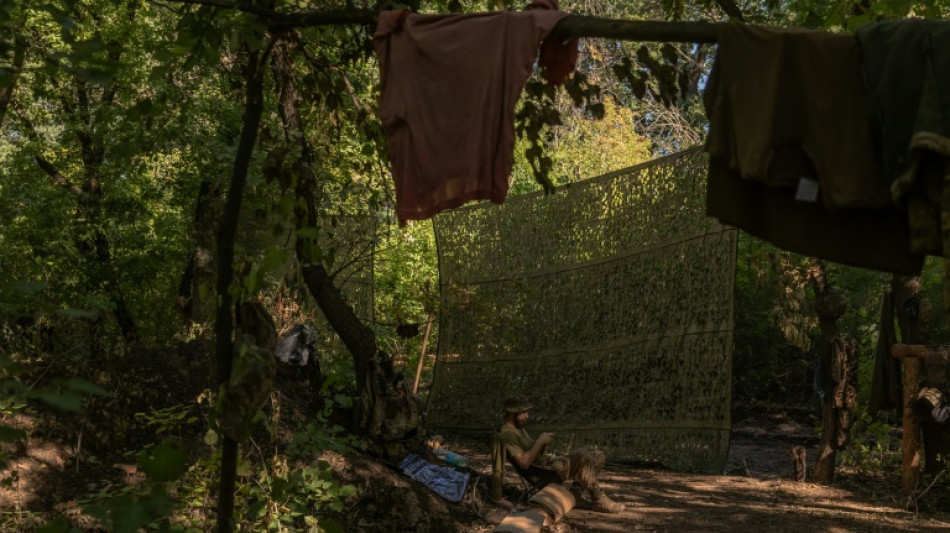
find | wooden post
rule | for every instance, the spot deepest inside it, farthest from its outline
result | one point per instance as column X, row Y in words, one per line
column 913, row 326
column 830, row 305
column 913, row 356
column 422, row 356
column 910, row 444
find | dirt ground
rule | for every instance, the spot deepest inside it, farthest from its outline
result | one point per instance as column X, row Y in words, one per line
column 756, row 495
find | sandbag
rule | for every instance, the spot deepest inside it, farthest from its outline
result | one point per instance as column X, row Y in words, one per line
column 527, row 521
column 555, row 499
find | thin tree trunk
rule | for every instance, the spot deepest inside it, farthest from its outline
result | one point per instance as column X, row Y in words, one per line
column 224, row 322
column 196, row 288
column 6, row 91
column 830, row 305
column 98, row 249
column 186, row 303
column 94, row 247
column 359, row 338
column 906, row 291
column 907, row 306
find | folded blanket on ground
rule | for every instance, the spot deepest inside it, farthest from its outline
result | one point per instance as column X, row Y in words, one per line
column 444, row 481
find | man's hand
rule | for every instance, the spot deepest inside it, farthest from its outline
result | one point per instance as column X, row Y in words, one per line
column 525, row 458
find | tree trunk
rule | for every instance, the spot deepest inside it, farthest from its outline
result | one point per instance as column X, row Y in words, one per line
column 908, row 307
column 91, row 242
column 96, row 248
column 906, row 291
column 830, row 305
column 6, row 91
column 196, row 289
column 369, row 362
column 227, row 230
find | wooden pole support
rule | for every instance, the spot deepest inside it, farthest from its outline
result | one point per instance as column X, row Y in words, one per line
column 913, row 355
column 921, row 351
column 905, row 351
column 422, row 356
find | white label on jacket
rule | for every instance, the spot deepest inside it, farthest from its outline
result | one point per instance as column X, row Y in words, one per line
column 807, row 190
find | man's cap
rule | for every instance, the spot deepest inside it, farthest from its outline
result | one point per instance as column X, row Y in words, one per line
column 517, row 404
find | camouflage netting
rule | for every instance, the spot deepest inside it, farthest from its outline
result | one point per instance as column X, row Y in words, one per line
column 351, row 240
column 609, row 305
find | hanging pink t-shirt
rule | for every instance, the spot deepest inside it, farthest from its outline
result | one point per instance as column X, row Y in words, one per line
column 449, row 89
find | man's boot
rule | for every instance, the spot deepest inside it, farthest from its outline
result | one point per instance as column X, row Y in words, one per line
column 578, row 492
column 603, row 504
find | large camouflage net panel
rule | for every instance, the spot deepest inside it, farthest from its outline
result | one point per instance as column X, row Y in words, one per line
column 609, row 305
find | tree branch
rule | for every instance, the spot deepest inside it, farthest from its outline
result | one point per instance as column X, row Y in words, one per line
column 262, row 12
column 44, row 164
column 570, row 26
column 731, row 9
column 636, row 30
column 6, row 92
column 85, row 118
column 58, row 178
column 108, row 95
column 227, row 230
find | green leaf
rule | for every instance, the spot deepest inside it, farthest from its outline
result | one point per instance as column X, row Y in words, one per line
column 89, row 47
column 279, row 488
column 91, row 75
column 211, row 437
column 59, row 525
column 31, row 287
column 9, row 434
column 330, row 525
column 597, row 110
column 273, row 260
column 81, row 385
column 67, row 401
column 243, row 467
column 165, row 462
column 78, row 313
column 256, row 509
column 128, row 516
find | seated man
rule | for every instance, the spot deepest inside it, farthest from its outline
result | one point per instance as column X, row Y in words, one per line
column 525, row 454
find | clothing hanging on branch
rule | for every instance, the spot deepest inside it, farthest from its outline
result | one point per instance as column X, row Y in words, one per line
column 907, row 70
column 449, row 89
column 792, row 154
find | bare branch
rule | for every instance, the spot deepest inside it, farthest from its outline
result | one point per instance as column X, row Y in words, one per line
column 6, row 92
column 268, row 14
column 58, row 178
column 570, row 26
column 636, row 30
column 359, row 256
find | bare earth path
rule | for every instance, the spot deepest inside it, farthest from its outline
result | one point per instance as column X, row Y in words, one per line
column 757, row 496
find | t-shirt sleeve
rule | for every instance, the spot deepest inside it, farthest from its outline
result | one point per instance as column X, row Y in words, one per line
column 512, row 444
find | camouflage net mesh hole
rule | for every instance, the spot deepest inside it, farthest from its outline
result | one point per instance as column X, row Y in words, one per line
column 609, row 305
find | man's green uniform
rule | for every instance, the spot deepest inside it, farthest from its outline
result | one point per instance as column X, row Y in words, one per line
column 581, row 466
column 512, row 442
